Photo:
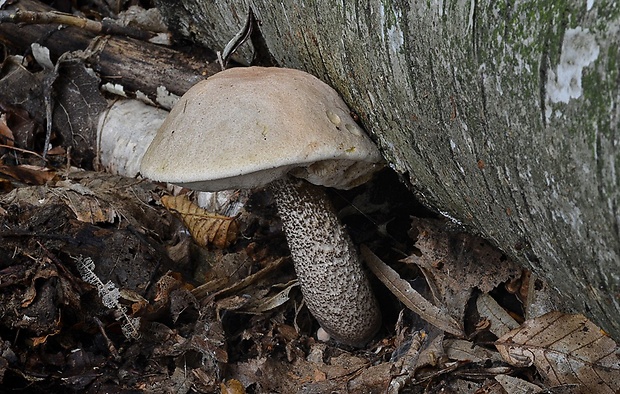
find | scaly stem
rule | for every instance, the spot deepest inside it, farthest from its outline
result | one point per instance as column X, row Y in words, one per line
column 330, row 273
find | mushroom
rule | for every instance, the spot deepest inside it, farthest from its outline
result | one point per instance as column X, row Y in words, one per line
column 284, row 128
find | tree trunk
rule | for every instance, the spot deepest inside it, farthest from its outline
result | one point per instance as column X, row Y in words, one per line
column 501, row 115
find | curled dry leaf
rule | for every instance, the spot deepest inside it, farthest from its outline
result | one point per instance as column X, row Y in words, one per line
column 6, row 134
column 88, row 208
column 408, row 296
column 566, row 349
column 272, row 302
column 206, row 227
column 408, row 364
column 501, row 321
column 202, row 291
column 232, row 386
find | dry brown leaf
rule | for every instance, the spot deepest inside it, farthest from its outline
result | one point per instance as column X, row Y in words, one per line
column 206, row 227
column 6, row 134
column 37, row 341
column 201, row 291
column 516, row 385
column 31, row 175
column 454, row 263
column 462, row 350
column 501, row 321
column 343, row 366
column 265, row 304
column 166, row 285
column 408, row 296
column 566, row 349
column 21, row 128
column 179, row 382
column 232, row 386
column 409, row 364
column 88, row 208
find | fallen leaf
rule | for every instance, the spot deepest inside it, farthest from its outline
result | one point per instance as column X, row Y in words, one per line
column 501, row 321
column 166, row 285
column 455, row 263
column 180, row 381
column 343, row 366
column 88, row 208
column 38, row 341
column 22, row 127
column 31, row 175
column 45, row 270
column 516, row 385
column 206, row 227
column 232, row 386
column 407, row 366
column 408, row 296
column 200, row 291
column 566, row 349
column 319, row 375
column 462, row 350
column 269, row 303
column 6, row 134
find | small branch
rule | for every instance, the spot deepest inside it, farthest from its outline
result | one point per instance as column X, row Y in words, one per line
column 106, row 26
column 109, row 343
column 21, row 150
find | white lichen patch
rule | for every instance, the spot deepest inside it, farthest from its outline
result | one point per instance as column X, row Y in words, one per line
column 42, row 56
column 114, row 88
column 450, row 217
column 579, row 50
column 165, row 98
column 396, row 38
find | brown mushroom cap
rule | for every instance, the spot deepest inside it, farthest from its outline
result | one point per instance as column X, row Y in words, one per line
column 245, row 127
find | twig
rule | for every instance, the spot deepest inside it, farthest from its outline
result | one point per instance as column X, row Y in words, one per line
column 408, row 364
column 109, row 343
column 106, row 26
column 21, row 150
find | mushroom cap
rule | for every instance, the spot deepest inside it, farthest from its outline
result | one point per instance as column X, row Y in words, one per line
column 245, row 127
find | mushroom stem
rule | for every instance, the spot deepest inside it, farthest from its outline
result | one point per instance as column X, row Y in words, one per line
column 330, row 273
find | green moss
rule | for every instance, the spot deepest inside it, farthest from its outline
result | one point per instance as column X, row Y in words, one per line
column 608, row 11
column 612, row 63
column 389, row 14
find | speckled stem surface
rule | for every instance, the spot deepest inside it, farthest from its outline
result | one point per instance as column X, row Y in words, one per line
column 330, row 273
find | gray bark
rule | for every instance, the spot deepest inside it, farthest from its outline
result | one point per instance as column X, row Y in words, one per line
column 501, row 115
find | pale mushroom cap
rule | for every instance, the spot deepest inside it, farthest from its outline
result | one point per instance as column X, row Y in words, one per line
column 245, row 127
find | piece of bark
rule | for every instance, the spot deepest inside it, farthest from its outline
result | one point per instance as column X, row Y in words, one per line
column 136, row 65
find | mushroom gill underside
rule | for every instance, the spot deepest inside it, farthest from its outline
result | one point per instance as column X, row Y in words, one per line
column 332, row 280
